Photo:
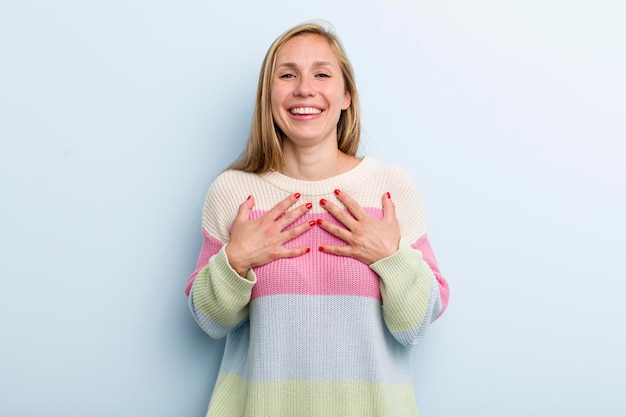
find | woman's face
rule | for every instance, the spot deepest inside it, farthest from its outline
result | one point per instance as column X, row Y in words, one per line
column 308, row 91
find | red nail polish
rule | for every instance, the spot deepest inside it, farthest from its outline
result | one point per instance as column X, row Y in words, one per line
column 321, row 248
column 309, row 206
column 297, row 195
column 319, row 221
column 388, row 195
column 323, row 201
column 248, row 197
column 312, row 223
column 337, row 192
column 308, row 250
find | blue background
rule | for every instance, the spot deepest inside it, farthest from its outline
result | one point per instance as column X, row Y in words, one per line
column 115, row 117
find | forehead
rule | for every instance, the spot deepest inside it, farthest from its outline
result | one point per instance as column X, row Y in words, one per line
column 306, row 48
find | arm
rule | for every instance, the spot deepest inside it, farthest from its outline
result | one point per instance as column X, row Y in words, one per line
column 412, row 299
column 218, row 296
column 221, row 287
column 414, row 291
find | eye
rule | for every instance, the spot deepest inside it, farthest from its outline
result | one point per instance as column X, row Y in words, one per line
column 286, row 76
column 323, row 75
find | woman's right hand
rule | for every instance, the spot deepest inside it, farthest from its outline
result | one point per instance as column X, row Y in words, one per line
column 258, row 242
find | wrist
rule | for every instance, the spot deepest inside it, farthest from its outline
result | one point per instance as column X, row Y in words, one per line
column 238, row 267
column 242, row 272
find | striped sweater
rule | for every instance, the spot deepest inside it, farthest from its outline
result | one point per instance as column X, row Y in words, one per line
column 319, row 334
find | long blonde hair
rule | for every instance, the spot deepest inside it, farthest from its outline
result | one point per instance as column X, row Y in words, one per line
column 263, row 152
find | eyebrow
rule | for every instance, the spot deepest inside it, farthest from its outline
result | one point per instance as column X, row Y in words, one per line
column 315, row 64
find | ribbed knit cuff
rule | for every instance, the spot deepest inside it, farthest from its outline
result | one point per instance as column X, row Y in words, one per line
column 406, row 288
column 397, row 264
column 230, row 277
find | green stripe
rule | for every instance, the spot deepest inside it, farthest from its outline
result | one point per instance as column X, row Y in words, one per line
column 237, row 397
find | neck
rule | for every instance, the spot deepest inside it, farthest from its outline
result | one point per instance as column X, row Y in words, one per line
column 315, row 165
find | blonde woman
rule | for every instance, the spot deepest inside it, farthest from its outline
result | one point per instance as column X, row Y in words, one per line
column 315, row 263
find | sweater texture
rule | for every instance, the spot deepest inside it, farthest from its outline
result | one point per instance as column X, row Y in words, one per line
column 319, row 334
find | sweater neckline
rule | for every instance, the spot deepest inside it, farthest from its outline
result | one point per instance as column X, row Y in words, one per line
column 322, row 187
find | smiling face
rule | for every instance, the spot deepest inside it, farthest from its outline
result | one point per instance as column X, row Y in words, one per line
column 308, row 91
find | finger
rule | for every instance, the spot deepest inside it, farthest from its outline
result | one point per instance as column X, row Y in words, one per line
column 283, row 205
column 389, row 209
column 293, row 252
column 293, row 215
column 294, row 232
column 243, row 214
column 335, row 230
column 353, row 207
column 341, row 215
column 337, row 250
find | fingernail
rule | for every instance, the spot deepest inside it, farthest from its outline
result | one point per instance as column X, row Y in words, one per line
column 312, row 223
column 309, row 206
column 297, row 195
column 248, row 197
column 337, row 192
column 388, row 195
column 308, row 250
column 319, row 221
column 323, row 201
column 321, row 248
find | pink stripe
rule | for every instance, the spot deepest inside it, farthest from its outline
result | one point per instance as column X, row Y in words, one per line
column 423, row 245
column 317, row 273
column 210, row 246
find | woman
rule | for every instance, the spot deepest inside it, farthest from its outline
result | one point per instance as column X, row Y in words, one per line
column 315, row 263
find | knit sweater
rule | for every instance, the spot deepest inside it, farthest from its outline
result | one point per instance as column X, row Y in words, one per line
column 319, row 334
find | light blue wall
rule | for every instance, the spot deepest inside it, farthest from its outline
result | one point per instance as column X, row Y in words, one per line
column 116, row 115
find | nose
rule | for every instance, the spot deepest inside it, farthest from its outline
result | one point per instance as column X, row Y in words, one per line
column 304, row 88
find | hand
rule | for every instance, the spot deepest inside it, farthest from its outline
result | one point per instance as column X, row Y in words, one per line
column 257, row 242
column 369, row 240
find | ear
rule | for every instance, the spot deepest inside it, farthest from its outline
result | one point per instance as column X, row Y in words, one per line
column 347, row 100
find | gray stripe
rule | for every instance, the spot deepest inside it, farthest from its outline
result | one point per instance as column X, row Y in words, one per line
column 320, row 338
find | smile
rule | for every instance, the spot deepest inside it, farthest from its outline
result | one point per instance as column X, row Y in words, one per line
column 305, row 110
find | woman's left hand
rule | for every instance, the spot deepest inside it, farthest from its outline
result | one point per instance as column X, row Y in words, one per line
column 369, row 240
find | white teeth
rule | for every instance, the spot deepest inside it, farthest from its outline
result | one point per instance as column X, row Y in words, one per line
column 305, row 110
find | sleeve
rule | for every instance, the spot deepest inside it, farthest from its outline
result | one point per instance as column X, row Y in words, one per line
column 413, row 289
column 218, row 297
